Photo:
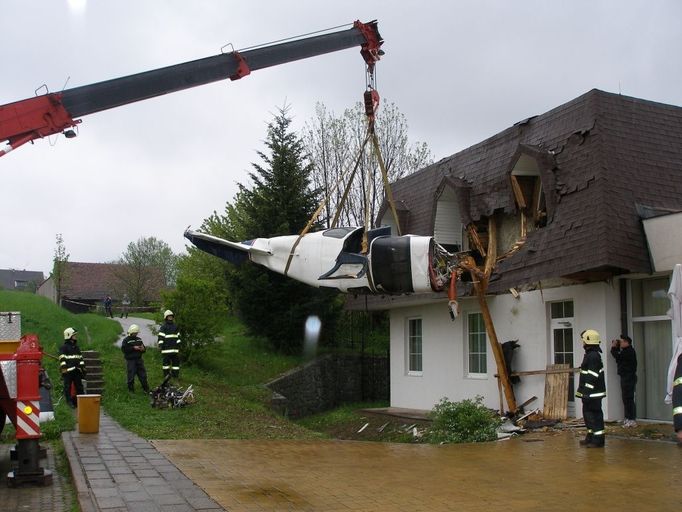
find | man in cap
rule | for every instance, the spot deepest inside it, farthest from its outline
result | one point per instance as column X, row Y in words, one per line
column 626, row 359
column 71, row 365
column 592, row 389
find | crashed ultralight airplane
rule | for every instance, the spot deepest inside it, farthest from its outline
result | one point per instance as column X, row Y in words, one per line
column 333, row 258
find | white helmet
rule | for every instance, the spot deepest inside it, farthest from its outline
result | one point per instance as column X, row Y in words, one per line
column 590, row 337
column 133, row 329
column 69, row 332
column 167, row 313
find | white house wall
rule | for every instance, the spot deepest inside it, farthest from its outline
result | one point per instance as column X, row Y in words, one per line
column 596, row 306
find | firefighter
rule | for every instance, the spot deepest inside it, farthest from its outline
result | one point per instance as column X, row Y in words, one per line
column 592, row 389
column 169, row 344
column 71, row 365
column 133, row 348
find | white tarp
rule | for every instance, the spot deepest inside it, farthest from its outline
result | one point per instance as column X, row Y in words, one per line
column 675, row 295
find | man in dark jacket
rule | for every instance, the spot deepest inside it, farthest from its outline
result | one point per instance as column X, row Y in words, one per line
column 626, row 359
column 133, row 348
column 592, row 389
column 71, row 365
column 107, row 307
column 169, row 344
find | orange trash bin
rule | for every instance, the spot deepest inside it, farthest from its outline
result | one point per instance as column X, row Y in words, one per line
column 88, row 413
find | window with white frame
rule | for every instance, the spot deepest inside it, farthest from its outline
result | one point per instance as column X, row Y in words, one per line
column 414, row 346
column 477, row 345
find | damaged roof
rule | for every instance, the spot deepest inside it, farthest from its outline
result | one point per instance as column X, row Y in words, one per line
column 601, row 156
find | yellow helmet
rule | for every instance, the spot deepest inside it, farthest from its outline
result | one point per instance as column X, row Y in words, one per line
column 167, row 313
column 133, row 329
column 590, row 337
column 69, row 332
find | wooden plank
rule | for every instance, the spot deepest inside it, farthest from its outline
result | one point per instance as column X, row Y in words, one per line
column 518, row 193
column 541, row 372
column 531, row 399
column 556, row 393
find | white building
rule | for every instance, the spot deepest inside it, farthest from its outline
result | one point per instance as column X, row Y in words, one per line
column 577, row 182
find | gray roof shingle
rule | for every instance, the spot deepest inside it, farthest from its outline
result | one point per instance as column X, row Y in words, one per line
column 605, row 154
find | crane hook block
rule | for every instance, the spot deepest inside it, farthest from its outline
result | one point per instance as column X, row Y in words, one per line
column 371, row 103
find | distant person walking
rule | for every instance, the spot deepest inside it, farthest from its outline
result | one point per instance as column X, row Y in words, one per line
column 626, row 359
column 133, row 348
column 169, row 344
column 71, row 365
column 592, row 389
column 125, row 306
column 107, row 307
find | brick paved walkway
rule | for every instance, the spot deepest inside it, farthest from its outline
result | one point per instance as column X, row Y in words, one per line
column 116, row 471
column 31, row 497
column 535, row 472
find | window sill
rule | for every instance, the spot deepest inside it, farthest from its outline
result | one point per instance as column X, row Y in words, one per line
column 477, row 376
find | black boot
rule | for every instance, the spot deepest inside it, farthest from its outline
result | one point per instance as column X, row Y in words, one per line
column 597, row 442
column 587, row 441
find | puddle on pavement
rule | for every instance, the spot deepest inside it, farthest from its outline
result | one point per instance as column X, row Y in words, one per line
column 536, row 473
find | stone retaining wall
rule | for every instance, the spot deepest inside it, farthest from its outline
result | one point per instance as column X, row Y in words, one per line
column 328, row 382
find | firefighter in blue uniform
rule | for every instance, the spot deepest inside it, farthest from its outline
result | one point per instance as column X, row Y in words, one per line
column 592, row 389
column 71, row 365
column 133, row 348
column 169, row 344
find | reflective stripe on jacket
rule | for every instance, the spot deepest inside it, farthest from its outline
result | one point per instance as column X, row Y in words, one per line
column 169, row 338
column 591, row 383
column 70, row 357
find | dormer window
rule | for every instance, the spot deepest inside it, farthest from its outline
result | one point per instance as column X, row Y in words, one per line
column 447, row 228
column 530, row 198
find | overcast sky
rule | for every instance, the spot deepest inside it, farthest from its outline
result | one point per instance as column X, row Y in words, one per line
column 460, row 71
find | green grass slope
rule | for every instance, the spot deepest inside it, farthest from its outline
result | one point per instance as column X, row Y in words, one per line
column 228, row 378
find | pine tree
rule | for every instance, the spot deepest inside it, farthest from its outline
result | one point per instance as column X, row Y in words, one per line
column 280, row 202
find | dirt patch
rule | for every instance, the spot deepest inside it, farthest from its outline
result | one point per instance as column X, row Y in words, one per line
column 367, row 426
column 651, row 431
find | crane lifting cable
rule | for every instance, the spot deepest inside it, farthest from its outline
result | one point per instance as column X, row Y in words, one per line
column 371, row 102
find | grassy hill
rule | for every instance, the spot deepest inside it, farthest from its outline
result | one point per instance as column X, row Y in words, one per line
column 231, row 401
column 42, row 317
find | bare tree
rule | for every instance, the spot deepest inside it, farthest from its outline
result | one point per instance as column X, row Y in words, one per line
column 147, row 265
column 334, row 145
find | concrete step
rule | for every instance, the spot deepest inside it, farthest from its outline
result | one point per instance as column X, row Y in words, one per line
column 95, row 373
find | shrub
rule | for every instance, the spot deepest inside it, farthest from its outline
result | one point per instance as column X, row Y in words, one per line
column 468, row 421
column 200, row 311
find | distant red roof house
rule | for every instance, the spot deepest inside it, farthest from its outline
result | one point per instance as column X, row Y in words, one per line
column 87, row 284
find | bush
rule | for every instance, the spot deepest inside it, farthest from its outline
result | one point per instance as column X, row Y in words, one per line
column 468, row 421
column 200, row 312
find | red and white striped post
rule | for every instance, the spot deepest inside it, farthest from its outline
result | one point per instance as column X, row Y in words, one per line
column 27, row 423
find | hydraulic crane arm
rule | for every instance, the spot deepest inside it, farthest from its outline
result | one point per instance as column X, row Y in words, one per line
column 33, row 118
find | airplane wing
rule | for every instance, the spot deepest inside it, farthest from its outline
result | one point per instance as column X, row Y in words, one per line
column 234, row 252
